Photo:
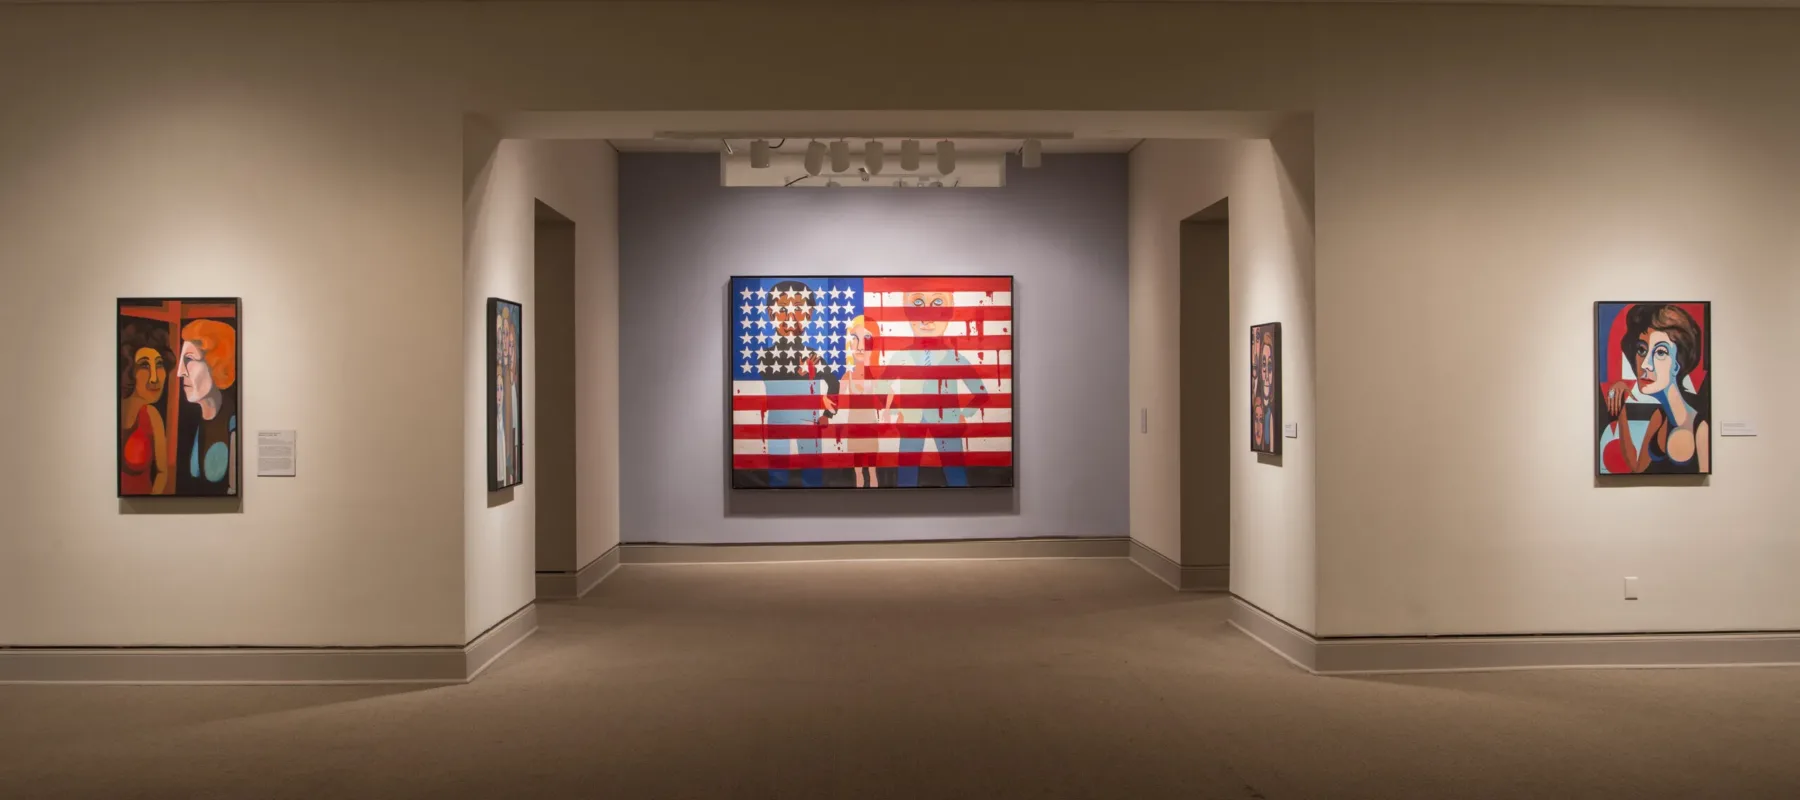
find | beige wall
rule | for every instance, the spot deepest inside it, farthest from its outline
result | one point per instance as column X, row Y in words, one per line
column 1476, row 195
column 1271, row 501
column 579, row 180
column 597, row 367
column 1483, row 175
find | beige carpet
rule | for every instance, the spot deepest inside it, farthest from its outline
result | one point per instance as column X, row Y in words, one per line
column 1034, row 679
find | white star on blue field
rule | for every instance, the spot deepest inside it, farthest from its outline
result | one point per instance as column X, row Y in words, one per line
column 834, row 302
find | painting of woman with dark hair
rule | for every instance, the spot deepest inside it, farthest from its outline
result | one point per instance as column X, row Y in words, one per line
column 1655, row 403
column 143, row 440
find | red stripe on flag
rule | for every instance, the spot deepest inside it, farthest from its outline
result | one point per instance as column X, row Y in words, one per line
column 943, row 373
column 943, row 343
column 939, row 313
column 916, row 430
column 848, row 460
column 937, row 284
column 792, row 402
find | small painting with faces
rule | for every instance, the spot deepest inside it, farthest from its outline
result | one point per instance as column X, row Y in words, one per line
column 1265, row 388
column 178, row 397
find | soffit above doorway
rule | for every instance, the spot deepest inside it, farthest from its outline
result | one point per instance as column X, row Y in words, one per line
column 1719, row 4
column 1076, row 131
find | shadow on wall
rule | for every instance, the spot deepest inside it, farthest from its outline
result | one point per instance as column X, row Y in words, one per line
column 1650, row 481
column 878, row 503
column 181, row 505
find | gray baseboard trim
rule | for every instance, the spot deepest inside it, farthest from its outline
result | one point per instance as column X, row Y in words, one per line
column 1289, row 642
column 1383, row 655
column 573, row 585
column 1181, row 577
column 447, row 664
column 1116, row 547
column 497, row 641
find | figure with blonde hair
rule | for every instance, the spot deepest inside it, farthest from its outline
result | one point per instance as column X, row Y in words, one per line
column 207, row 369
column 858, row 357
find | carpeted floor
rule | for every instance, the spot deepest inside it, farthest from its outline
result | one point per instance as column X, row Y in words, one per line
column 1002, row 679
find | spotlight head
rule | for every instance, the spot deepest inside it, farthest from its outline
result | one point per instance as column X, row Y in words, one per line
column 909, row 155
column 840, row 156
column 832, row 184
column 946, row 156
column 759, row 154
column 873, row 154
column 1033, row 155
column 815, row 158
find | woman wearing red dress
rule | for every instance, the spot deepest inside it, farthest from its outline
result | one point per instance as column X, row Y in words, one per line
column 143, row 442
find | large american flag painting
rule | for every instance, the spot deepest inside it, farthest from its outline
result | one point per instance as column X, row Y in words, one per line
column 891, row 382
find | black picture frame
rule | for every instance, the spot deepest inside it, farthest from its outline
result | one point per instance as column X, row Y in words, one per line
column 730, row 344
column 495, row 402
column 172, row 400
column 1268, row 402
column 1700, row 402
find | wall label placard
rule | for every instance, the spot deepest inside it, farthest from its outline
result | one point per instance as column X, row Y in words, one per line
column 1291, row 430
column 1737, row 429
column 277, row 454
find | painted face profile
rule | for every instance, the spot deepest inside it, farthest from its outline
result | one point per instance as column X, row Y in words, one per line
column 196, row 376
column 934, row 323
column 790, row 312
column 149, row 373
column 1657, row 367
column 858, row 343
column 1266, row 366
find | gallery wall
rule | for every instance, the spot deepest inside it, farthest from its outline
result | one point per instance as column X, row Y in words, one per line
column 1473, row 203
column 1058, row 230
column 333, row 215
column 1271, row 518
column 1483, row 174
column 507, row 180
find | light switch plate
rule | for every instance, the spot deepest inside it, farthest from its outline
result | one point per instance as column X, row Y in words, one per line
column 1631, row 589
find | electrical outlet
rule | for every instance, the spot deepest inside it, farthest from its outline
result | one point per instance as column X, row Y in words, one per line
column 1631, row 588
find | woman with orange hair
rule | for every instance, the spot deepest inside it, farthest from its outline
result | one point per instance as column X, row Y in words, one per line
column 207, row 368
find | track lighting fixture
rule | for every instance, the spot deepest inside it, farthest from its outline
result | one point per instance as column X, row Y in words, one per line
column 1032, row 156
column 909, row 155
column 832, row 184
column 759, row 154
column 840, row 156
column 815, row 157
column 946, row 156
column 873, row 154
